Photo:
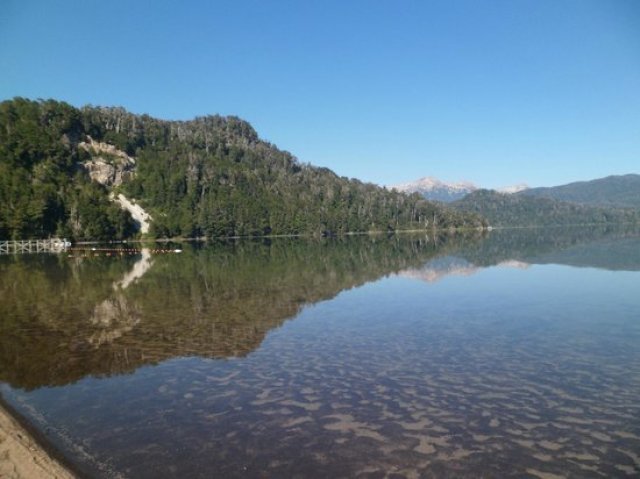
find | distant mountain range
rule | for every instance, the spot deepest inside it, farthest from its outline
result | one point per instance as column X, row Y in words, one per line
column 522, row 210
column 621, row 191
column 513, row 188
column 614, row 199
column 436, row 190
column 617, row 191
column 75, row 173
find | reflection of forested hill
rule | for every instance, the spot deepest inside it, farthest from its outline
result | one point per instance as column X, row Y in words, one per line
column 612, row 254
column 616, row 248
column 580, row 246
column 62, row 319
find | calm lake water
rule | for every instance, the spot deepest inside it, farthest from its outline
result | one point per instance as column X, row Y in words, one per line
column 512, row 354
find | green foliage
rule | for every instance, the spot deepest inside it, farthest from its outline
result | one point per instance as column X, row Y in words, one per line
column 214, row 177
column 521, row 210
column 612, row 191
column 211, row 176
column 43, row 191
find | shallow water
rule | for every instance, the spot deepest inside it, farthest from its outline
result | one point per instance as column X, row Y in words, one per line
column 512, row 355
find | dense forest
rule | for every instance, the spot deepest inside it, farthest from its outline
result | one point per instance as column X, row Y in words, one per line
column 507, row 210
column 212, row 176
column 43, row 191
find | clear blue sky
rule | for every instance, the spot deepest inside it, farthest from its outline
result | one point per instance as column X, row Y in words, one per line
column 495, row 92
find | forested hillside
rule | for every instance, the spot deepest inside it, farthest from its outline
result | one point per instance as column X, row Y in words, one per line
column 210, row 176
column 42, row 189
column 520, row 210
column 613, row 191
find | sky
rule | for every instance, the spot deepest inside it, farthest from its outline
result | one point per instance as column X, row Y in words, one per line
column 543, row 92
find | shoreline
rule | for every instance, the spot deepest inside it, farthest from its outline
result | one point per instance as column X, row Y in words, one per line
column 22, row 455
column 205, row 239
column 443, row 231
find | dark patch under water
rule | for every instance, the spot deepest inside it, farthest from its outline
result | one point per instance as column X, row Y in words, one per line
column 388, row 357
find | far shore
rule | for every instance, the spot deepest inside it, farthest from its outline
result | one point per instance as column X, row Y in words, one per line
column 181, row 239
column 428, row 231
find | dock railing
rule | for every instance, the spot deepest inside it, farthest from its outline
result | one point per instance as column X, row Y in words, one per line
column 51, row 245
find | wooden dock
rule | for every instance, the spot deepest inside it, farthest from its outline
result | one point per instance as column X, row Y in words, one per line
column 51, row 245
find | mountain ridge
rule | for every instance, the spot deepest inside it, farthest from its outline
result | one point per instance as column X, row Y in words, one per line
column 622, row 191
column 519, row 210
column 434, row 189
column 211, row 176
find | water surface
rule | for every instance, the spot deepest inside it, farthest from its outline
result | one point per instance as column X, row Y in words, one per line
column 512, row 355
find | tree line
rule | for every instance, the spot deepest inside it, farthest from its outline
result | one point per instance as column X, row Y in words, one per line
column 519, row 210
column 211, row 176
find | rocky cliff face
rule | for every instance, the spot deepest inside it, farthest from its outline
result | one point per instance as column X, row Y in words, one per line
column 111, row 167
column 108, row 165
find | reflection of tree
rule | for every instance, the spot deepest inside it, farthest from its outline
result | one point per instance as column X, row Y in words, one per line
column 64, row 319
column 46, row 306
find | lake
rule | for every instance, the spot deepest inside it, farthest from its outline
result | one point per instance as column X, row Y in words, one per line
column 503, row 354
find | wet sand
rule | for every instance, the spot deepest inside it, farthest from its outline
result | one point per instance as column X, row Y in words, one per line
column 22, row 457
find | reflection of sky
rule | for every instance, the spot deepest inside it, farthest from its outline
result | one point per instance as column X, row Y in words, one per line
column 540, row 293
column 543, row 337
column 553, row 284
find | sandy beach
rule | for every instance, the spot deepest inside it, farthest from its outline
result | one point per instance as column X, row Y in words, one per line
column 22, row 457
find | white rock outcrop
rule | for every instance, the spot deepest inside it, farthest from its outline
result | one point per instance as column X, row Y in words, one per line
column 137, row 212
column 108, row 165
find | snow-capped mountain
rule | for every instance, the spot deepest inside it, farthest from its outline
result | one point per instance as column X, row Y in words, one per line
column 434, row 189
column 440, row 268
column 513, row 188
